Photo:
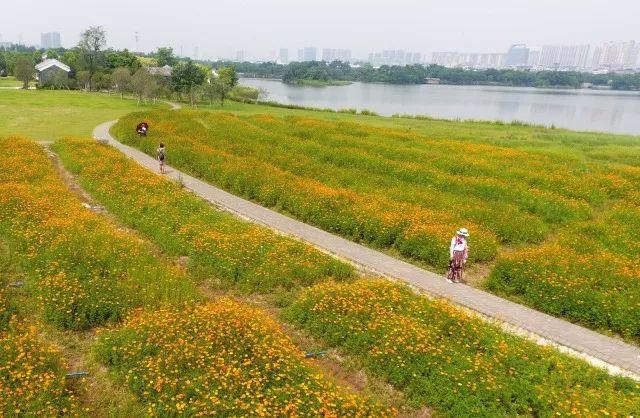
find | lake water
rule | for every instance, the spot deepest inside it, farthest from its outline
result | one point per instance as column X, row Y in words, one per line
column 584, row 110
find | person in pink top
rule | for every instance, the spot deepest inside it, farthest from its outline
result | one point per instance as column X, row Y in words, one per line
column 458, row 254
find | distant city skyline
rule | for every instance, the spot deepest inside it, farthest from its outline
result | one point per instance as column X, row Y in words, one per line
column 261, row 28
column 612, row 55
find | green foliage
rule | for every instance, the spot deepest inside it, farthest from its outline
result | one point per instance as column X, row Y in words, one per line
column 24, row 70
column 119, row 59
column 458, row 364
column 320, row 71
column 121, row 79
column 186, row 77
column 224, row 82
column 59, row 80
column 91, row 54
column 143, row 84
column 3, row 64
column 164, row 56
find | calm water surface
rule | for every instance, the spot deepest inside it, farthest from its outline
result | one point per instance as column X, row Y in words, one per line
column 584, row 110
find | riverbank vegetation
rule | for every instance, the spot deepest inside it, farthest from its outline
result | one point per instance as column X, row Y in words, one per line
column 418, row 74
column 407, row 192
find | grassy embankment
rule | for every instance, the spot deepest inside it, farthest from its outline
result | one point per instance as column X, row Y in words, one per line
column 51, row 114
column 553, row 200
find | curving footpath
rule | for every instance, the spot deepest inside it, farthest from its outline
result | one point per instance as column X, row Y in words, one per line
column 616, row 356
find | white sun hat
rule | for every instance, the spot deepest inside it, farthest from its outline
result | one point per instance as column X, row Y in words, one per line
column 463, row 231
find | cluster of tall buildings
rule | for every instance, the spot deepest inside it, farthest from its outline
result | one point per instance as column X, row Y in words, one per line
column 394, row 57
column 50, row 40
column 611, row 56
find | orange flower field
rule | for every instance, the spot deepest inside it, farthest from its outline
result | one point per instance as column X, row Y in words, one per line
column 440, row 356
column 222, row 250
column 222, row 358
column 32, row 381
column 86, row 271
column 436, row 354
column 407, row 192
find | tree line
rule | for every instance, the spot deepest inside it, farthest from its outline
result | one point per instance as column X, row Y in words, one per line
column 418, row 74
column 97, row 68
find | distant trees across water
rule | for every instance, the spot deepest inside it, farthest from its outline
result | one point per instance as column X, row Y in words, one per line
column 418, row 74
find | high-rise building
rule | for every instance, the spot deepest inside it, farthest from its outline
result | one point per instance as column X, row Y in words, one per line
column 241, row 56
column 283, row 56
column 471, row 60
column 518, row 56
column 616, row 56
column 330, row 55
column 630, row 54
column 300, row 55
column 50, row 40
column 310, row 54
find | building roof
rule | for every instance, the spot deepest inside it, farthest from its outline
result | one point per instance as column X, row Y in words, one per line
column 164, row 71
column 52, row 63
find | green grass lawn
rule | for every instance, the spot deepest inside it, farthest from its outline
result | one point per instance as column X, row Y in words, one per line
column 9, row 82
column 49, row 114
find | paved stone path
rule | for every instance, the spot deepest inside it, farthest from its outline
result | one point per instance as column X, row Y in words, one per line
column 615, row 355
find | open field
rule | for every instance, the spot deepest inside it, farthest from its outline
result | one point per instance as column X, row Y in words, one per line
column 523, row 196
column 437, row 355
column 49, row 114
column 9, row 82
column 78, row 281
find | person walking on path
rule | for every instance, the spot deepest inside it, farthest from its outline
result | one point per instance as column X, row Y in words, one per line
column 458, row 254
column 160, row 156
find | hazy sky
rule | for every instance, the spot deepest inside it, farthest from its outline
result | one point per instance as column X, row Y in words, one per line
column 220, row 27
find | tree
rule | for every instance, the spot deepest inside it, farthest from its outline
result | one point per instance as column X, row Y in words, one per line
column 106, row 82
column 140, row 83
column 3, row 64
column 186, row 77
column 23, row 70
column 122, row 80
column 164, row 56
column 92, row 41
column 83, row 79
column 60, row 80
column 210, row 91
column 225, row 81
column 263, row 94
column 116, row 59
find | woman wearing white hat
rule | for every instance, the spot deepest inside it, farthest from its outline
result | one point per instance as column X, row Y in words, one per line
column 458, row 254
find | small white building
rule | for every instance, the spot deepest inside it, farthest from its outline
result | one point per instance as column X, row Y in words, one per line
column 164, row 71
column 48, row 68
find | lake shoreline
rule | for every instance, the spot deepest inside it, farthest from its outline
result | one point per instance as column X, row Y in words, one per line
column 616, row 112
column 321, row 83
